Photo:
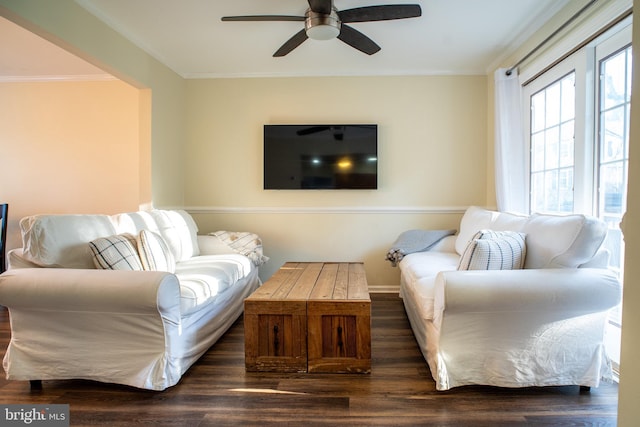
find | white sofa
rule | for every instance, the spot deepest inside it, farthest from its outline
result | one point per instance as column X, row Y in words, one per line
column 70, row 319
column 541, row 325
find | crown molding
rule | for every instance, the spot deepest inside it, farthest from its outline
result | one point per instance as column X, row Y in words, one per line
column 70, row 78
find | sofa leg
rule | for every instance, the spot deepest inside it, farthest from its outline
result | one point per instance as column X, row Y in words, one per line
column 585, row 389
column 36, row 385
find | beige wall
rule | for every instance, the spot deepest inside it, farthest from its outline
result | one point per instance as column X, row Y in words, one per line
column 68, row 147
column 71, row 27
column 432, row 158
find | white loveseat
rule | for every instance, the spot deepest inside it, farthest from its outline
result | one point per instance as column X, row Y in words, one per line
column 541, row 325
column 70, row 319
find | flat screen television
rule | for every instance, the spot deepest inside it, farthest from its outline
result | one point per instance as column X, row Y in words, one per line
column 321, row 157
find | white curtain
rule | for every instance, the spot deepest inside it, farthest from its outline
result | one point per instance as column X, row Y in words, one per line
column 510, row 151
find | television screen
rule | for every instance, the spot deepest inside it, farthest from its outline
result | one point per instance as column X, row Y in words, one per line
column 320, row 157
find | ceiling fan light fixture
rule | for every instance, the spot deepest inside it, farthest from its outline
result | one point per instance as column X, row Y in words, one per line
column 323, row 32
column 319, row 26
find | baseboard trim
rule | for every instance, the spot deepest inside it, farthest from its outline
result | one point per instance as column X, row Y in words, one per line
column 384, row 289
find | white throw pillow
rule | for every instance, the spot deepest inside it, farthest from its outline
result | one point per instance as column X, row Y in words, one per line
column 116, row 252
column 62, row 240
column 494, row 250
column 134, row 222
column 179, row 232
column 154, row 252
column 562, row 241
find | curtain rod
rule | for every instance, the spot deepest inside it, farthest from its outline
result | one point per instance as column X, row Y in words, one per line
column 586, row 42
column 552, row 35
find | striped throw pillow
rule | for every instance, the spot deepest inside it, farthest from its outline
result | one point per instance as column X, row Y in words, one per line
column 116, row 253
column 154, row 252
column 494, row 250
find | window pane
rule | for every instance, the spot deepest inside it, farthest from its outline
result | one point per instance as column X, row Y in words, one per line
column 552, row 113
column 612, row 188
column 566, row 144
column 537, row 152
column 628, row 75
column 551, row 191
column 565, row 190
column 537, row 192
column 568, row 98
column 626, row 130
column 537, row 112
column 613, row 134
column 614, row 83
column 552, row 147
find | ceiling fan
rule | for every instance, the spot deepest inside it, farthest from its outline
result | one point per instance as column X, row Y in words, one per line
column 323, row 21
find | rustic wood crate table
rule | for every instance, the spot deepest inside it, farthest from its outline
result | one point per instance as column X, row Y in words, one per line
column 310, row 317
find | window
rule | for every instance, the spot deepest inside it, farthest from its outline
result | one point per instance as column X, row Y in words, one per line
column 552, row 153
column 578, row 134
column 613, row 144
column 613, row 161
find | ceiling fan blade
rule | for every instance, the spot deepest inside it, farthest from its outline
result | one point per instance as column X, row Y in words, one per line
column 321, row 6
column 263, row 18
column 380, row 13
column 295, row 41
column 356, row 39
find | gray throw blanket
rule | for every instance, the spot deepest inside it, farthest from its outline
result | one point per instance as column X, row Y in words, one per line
column 415, row 241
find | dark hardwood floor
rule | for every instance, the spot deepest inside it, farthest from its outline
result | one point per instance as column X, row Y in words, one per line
column 217, row 391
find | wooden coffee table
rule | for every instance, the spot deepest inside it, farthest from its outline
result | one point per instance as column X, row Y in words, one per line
column 310, row 317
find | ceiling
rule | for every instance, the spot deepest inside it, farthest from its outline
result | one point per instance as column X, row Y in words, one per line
column 451, row 37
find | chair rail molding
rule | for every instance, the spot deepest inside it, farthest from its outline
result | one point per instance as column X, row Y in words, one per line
column 324, row 209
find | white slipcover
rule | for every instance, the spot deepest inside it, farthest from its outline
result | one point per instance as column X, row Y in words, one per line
column 539, row 326
column 138, row 328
